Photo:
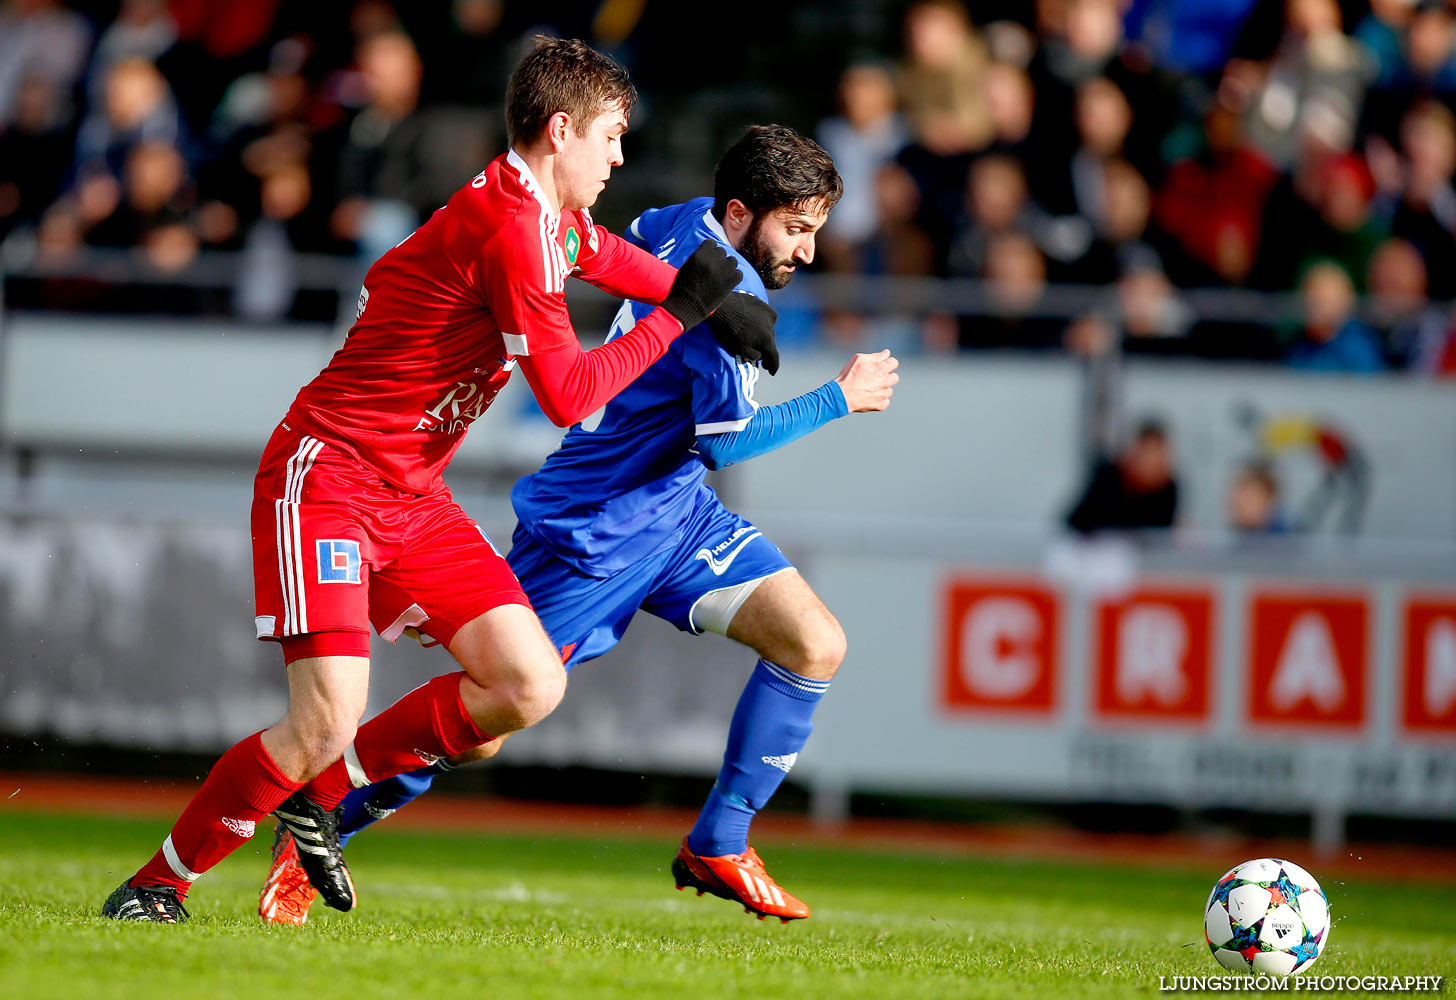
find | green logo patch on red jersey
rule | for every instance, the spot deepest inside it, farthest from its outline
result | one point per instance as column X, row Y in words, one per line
column 573, row 245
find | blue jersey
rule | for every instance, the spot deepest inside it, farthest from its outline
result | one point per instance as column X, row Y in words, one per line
column 617, row 494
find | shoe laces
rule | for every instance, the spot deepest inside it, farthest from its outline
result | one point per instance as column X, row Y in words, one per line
column 329, row 820
column 750, row 857
column 295, row 892
column 166, row 896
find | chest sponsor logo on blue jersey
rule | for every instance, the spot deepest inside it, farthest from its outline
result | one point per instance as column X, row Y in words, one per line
column 338, row 560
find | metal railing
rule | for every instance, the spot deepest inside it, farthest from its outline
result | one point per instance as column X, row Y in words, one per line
column 869, row 294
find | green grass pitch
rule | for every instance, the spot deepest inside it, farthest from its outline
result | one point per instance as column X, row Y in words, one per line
column 521, row 917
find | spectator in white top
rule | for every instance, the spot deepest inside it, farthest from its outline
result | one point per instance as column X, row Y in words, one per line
column 39, row 39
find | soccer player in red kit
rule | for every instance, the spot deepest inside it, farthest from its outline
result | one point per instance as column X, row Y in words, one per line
column 349, row 489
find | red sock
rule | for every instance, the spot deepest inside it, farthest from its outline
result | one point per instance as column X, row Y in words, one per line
column 242, row 788
column 428, row 723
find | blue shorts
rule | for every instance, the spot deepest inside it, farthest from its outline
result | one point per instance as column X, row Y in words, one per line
column 587, row 615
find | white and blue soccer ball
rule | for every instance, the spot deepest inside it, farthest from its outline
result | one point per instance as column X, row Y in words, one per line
column 1267, row 917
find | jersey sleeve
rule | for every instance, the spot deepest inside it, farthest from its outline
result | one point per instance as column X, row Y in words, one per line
column 774, row 426
column 524, row 283
column 524, row 288
column 722, row 386
column 640, row 230
column 620, row 268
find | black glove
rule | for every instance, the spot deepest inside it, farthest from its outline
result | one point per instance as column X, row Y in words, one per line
column 701, row 282
column 744, row 325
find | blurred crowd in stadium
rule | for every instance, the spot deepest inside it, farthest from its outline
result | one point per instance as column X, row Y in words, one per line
column 1150, row 147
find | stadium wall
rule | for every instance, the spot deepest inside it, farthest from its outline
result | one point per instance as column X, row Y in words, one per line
column 993, row 438
column 989, row 655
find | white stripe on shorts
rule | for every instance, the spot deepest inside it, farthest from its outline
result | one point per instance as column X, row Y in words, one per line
column 284, row 540
column 289, row 536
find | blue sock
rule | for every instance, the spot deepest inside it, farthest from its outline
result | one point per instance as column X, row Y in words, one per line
column 770, row 726
column 373, row 802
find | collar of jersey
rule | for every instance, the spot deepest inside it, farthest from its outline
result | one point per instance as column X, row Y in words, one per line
column 716, row 228
column 529, row 179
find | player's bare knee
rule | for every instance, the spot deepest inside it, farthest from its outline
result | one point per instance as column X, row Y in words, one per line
column 817, row 649
column 829, row 647
column 322, row 740
column 533, row 696
column 482, row 752
column 543, row 692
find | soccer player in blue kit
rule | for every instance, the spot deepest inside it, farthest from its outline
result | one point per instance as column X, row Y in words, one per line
column 620, row 519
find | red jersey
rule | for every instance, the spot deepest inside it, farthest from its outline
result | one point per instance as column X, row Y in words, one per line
column 445, row 316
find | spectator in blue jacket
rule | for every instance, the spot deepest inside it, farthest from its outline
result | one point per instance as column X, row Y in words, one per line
column 1332, row 339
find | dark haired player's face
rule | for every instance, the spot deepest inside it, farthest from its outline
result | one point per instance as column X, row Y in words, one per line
column 777, row 242
column 586, row 161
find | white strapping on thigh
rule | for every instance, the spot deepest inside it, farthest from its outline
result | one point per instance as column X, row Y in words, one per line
column 714, row 611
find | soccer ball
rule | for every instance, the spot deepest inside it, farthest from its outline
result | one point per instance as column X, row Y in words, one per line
column 1267, row 917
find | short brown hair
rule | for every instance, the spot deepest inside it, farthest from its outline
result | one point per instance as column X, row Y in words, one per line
column 772, row 166
column 1260, row 473
column 563, row 74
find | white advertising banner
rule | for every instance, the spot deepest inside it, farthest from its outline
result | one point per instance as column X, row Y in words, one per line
column 1218, row 689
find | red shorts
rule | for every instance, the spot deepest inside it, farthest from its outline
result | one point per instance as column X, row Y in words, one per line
column 336, row 549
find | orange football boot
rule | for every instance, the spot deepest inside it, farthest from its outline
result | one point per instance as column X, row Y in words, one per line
column 286, row 894
column 739, row 877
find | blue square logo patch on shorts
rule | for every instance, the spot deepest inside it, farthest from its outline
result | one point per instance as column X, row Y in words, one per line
column 338, row 560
